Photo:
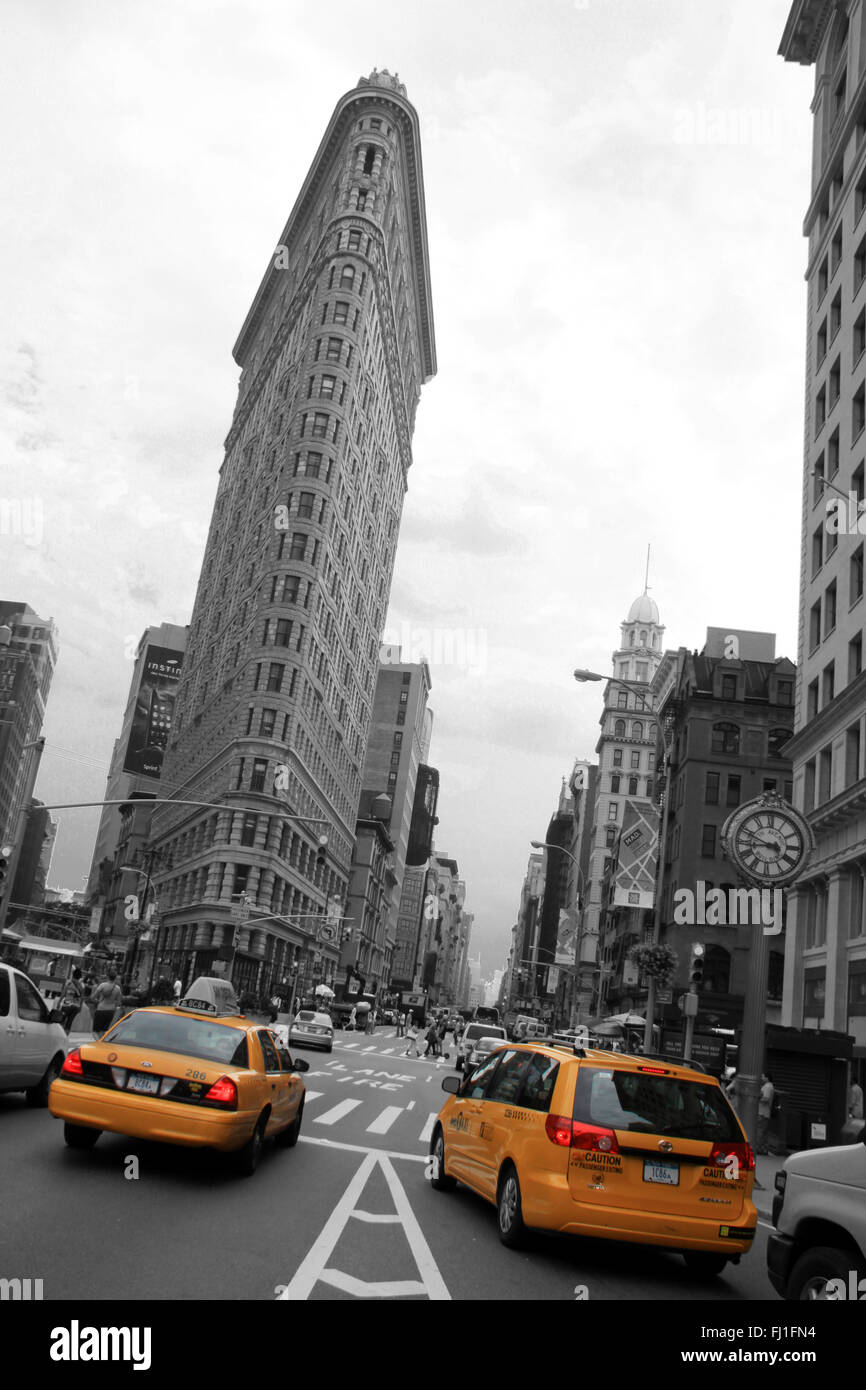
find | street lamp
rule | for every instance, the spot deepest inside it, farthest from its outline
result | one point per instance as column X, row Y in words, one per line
column 582, row 676
column 545, row 844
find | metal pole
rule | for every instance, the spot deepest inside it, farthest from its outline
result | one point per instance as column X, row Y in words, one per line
column 750, row 1060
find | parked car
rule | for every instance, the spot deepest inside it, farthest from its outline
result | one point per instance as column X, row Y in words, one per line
column 32, row 1044
column 819, row 1211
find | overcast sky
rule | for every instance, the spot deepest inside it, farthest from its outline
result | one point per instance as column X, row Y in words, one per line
column 615, row 193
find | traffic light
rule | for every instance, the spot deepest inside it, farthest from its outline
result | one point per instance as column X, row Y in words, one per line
column 322, row 852
column 696, row 966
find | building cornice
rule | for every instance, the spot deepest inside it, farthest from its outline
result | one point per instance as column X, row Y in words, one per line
column 404, row 113
column 805, row 30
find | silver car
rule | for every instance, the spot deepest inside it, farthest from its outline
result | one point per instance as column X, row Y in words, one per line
column 311, row 1029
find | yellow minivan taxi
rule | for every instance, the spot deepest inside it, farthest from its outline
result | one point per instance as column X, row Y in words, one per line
column 603, row 1144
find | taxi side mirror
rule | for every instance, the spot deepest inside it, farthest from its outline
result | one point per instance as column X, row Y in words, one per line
column 451, row 1084
column 300, row 1064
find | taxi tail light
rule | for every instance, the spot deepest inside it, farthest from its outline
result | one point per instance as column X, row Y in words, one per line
column 570, row 1134
column 72, row 1066
column 738, row 1149
column 223, row 1093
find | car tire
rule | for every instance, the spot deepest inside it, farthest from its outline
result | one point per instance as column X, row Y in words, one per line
column 80, row 1136
column 509, row 1209
column 288, row 1138
column 440, row 1181
column 703, row 1264
column 246, row 1160
column 38, row 1094
column 810, row 1273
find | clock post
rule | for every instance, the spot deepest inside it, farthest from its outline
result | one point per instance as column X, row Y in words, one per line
column 769, row 842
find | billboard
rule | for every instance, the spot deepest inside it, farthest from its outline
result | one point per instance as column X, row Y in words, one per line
column 636, row 867
column 154, row 708
column 566, row 939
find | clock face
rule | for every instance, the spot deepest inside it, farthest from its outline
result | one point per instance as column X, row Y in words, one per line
column 769, row 845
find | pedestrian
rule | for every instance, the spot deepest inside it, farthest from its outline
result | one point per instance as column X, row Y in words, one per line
column 401, row 1025
column 855, row 1101
column 371, row 1021
column 71, row 999
column 353, row 1016
column 412, row 1035
column 765, row 1111
column 443, row 1029
column 432, row 1036
column 178, row 988
column 107, row 999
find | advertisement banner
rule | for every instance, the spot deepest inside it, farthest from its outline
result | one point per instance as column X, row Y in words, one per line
column 154, row 708
column 566, row 939
column 636, row 866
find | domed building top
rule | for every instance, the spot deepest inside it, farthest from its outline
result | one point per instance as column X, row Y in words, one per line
column 644, row 610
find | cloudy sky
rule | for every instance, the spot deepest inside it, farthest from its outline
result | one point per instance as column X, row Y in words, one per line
column 615, row 192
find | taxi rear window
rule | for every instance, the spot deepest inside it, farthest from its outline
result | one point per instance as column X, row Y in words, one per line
column 191, row 1037
column 646, row 1104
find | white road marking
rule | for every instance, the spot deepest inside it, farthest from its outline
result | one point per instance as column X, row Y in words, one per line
column 312, row 1095
column 383, row 1122
column 371, row 1048
column 361, row 1149
column 353, row 1044
column 330, row 1117
column 386, row 1051
column 376, row 1218
column 411, row 1105
column 314, row 1267
column 428, row 1128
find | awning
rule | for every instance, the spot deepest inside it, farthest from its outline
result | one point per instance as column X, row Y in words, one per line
column 10, row 935
column 51, row 948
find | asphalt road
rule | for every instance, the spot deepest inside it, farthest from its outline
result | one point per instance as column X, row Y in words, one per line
column 348, row 1213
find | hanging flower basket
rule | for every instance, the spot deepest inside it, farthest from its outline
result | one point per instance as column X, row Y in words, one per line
column 658, row 962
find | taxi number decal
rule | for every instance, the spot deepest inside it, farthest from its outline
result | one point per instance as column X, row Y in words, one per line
column 518, row 1114
column 459, row 1122
column 199, row 1075
column 486, row 1130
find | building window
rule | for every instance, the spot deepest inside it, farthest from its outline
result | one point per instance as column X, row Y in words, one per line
column 619, row 729
column 637, row 730
column 821, row 344
column 617, row 757
column 614, row 782
column 347, row 277
column 855, row 656
column 732, row 797
column 275, row 676
column 858, row 412
column 298, row 548
column 830, row 607
column 859, row 343
column 267, row 722
column 833, row 454
column 855, row 575
column 622, row 699
column 776, row 740
column 823, row 279
column 248, row 830
column 612, row 811
column 708, row 842
column 320, row 425
column 726, row 738
column 609, row 837
column 815, row 626
column 306, row 503
column 835, row 323
column 632, row 786
column 818, row 489
column 326, row 386
column 820, row 409
column 828, row 683
column 711, row 788
column 354, row 243
column 729, row 687
column 784, row 692
column 260, row 769
column 341, row 311
column 635, row 759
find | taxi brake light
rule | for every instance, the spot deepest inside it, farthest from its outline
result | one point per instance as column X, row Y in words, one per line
column 655, row 1071
column 72, row 1065
column 738, row 1149
column 558, row 1128
column 223, row 1092
column 594, row 1137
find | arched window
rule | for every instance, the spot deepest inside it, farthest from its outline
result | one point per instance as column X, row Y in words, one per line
column 619, row 729
column 347, row 277
column 776, row 741
column 717, row 970
column 726, row 738
column 637, row 729
column 632, row 640
column 643, row 639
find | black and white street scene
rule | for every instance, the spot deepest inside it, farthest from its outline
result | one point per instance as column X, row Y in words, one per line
column 432, row 685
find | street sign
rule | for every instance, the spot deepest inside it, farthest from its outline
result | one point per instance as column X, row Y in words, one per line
column 664, row 996
column 706, row 1048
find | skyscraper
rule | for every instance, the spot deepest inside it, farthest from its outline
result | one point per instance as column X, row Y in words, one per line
column 275, row 699
column 825, row 947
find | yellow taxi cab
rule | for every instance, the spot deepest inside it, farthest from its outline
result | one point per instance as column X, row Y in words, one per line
column 198, row 1073
column 602, row 1144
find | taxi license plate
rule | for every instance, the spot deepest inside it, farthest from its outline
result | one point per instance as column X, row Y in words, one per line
column 147, row 1085
column 657, row 1171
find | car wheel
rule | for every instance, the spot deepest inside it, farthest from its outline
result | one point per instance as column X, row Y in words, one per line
column 703, row 1264
column 246, row 1160
column 38, row 1095
column 289, row 1136
column 439, row 1180
column 509, row 1209
column 808, row 1278
column 80, row 1136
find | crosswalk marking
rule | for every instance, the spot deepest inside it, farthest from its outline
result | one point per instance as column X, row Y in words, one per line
column 312, row 1095
column 371, row 1048
column 352, row 1044
column 386, row 1051
column 383, row 1122
column 344, row 1107
column 428, row 1128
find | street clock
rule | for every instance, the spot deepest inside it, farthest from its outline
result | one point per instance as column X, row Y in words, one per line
column 769, row 841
